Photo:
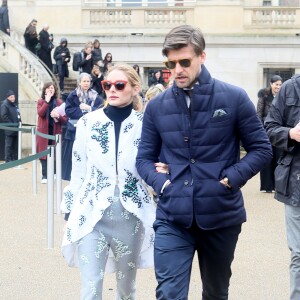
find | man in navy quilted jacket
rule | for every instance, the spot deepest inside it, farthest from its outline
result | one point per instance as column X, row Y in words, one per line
column 196, row 128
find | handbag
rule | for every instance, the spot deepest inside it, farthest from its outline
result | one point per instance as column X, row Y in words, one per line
column 71, row 125
column 38, row 47
column 50, row 46
column 54, row 69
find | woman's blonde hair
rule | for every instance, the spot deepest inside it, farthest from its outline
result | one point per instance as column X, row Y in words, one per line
column 154, row 91
column 133, row 80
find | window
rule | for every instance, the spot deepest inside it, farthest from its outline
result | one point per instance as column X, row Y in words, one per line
column 294, row 3
column 285, row 74
column 267, row 3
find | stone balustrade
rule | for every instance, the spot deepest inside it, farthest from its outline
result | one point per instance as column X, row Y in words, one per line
column 16, row 59
column 275, row 16
column 125, row 16
column 133, row 17
column 172, row 13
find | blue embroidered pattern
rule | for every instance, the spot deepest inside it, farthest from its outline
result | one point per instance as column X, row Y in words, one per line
column 101, row 135
column 136, row 142
column 82, row 220
column 131, row 190
column 139, row 116
column 68, row 199
column 128, row 127
column 77, row 156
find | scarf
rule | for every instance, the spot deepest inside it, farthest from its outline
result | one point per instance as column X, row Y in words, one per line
column 88, row 97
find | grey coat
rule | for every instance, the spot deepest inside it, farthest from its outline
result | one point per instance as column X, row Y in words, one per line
column 284, row 115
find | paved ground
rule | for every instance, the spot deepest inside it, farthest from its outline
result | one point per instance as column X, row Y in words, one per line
column 29, row 270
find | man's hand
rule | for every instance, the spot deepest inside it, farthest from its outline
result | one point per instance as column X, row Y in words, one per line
column 225, row 181
column 295, row 133
column 162, row 168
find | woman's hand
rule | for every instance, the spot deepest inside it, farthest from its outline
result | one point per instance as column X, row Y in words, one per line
column 48, row 96
column 54, row 114
column 162, row 168
column 86, row 107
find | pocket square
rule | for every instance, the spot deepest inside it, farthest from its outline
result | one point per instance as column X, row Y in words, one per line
column 219, row 112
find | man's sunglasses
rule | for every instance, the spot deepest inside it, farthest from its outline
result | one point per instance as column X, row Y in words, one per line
column 185, row 63
column 119, row 85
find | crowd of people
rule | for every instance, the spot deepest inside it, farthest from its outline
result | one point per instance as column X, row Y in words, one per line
column 123, row 149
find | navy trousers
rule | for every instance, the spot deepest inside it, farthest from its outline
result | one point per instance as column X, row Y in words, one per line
column 174, row 249
column 11, row 148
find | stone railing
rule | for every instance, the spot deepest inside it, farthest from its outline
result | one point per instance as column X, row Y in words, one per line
column 273, row 16
column 139, row 3
column 15, row 58
column 146, row 17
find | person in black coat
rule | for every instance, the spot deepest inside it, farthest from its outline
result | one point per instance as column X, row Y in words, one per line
column 96, row 52
column 265, row 99
column 10, row 114
column 155, row 79
column 86, row 64
column 31, row 36
column 46, row 46
column 97, row 77
column 283, row 128
column 107, row 60
column 62, row 57
column 4, row 19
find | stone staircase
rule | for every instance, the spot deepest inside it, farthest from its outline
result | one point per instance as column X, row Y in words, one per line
column 70, row 84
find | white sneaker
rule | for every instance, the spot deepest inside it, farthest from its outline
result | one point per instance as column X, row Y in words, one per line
column 44, row 181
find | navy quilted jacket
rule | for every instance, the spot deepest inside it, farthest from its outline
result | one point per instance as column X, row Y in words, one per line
column 201, row 148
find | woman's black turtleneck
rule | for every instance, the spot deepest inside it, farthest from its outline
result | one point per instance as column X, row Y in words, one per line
column 118, row 115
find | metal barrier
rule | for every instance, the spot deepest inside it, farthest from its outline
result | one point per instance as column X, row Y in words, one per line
column 51, row 152
column 50, row 203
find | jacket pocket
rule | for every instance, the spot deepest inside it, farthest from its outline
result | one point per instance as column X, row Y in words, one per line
column 282, row 174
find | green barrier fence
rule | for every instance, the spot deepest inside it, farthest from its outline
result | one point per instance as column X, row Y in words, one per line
column 14, row 127
column 22, row 161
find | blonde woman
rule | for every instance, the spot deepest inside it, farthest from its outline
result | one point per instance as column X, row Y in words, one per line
column 152, row 92
column 110, row 211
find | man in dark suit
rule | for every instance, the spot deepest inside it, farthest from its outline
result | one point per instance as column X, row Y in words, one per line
column 10, row 114
column 196, row 127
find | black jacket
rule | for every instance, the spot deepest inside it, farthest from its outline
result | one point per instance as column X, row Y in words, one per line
column 45, row 51
column 62, row 60
column 59, row 50
column 10, row 114
column 96, row 55
column 153, row 81
column 96, row 84
column 86, row 65
column 284, row 115
column 31, row 38
column 4, row 20
column 265, row 98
